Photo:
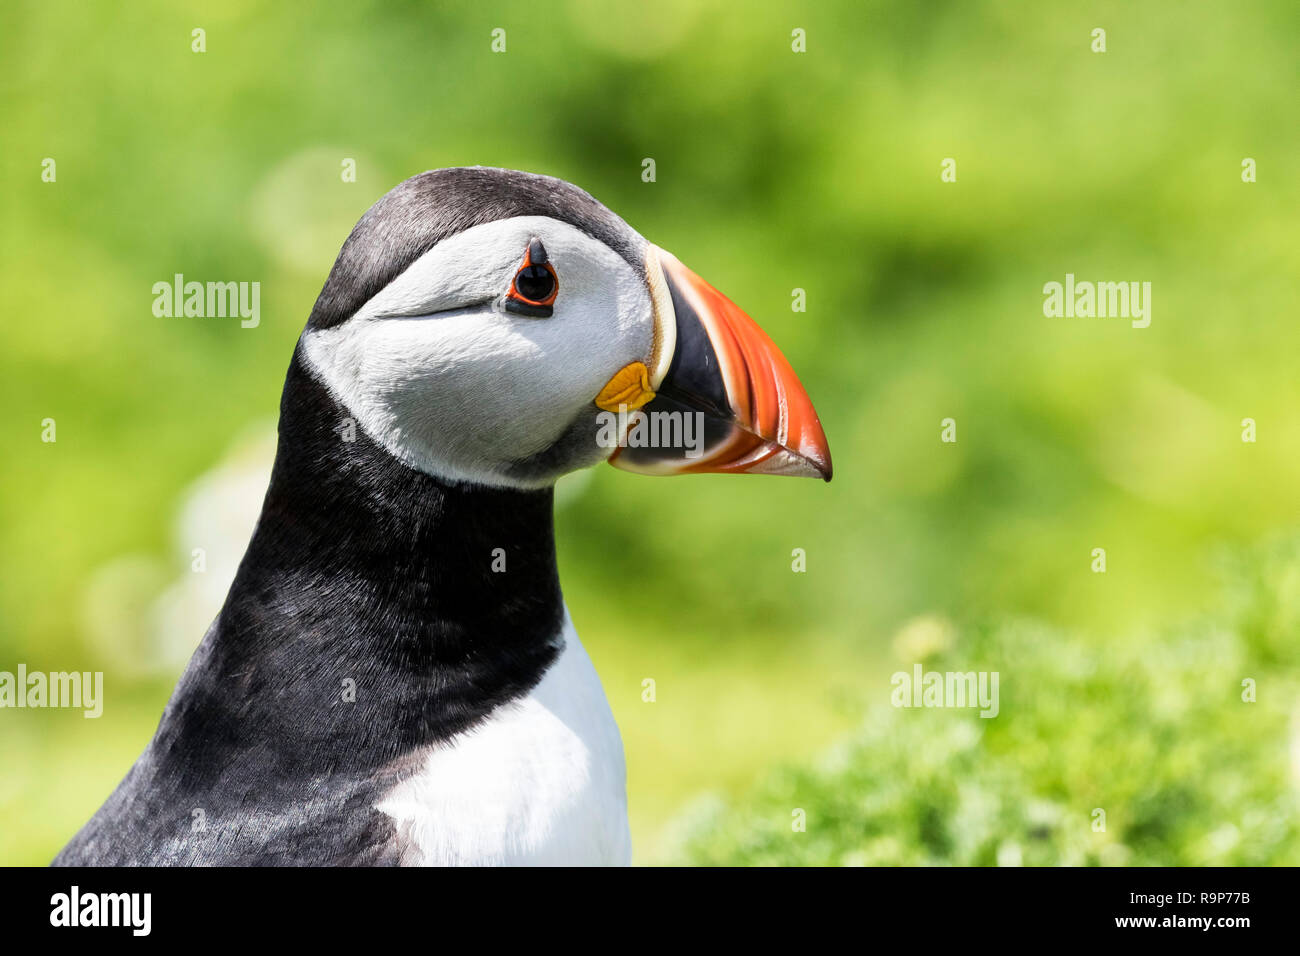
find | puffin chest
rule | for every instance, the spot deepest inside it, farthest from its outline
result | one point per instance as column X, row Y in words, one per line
column 541, row 781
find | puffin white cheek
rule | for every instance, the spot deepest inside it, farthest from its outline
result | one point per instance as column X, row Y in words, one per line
column 468, row 391
column 603, row 324
column 470, row 395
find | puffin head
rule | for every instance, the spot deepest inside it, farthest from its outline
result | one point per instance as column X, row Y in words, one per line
column 503, row 328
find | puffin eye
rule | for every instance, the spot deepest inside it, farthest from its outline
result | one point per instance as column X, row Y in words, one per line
column 535, row 283
column 533, row 289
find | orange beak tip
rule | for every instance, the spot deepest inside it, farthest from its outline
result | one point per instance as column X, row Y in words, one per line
column 729, row 370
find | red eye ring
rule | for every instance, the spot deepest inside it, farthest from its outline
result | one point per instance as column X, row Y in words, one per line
column 535, row 286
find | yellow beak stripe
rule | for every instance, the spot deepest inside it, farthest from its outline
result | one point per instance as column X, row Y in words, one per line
column 629, row 388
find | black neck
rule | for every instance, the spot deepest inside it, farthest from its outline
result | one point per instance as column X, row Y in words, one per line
column 364, row 569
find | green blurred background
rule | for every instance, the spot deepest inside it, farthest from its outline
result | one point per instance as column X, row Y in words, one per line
column 775, row 170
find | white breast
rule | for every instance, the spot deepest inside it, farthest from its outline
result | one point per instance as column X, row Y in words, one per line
column 540, row 782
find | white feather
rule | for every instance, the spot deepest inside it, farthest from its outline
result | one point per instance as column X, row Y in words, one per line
column 436, row 371
column 540, row 782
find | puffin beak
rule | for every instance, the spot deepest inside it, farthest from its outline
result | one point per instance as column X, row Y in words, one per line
column 718, row 395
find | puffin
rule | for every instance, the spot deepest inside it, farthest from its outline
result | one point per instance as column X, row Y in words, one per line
column 394, row 678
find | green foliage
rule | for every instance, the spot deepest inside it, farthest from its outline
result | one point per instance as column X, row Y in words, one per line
column 1151, row 729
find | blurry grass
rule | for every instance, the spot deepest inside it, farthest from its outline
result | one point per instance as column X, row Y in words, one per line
column 1153, row 730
